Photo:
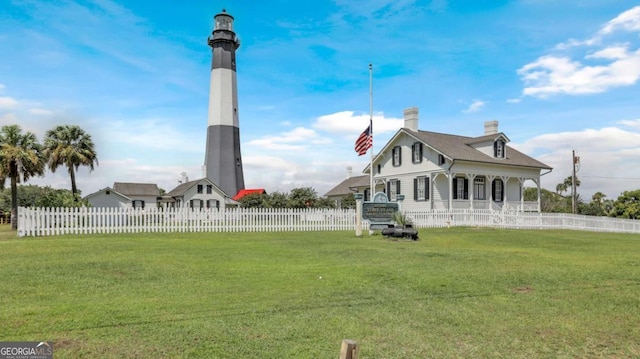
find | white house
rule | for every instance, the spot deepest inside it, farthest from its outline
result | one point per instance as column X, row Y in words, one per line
column 201, row 193
column 352, row 184
column 443, row 171
column 126, row 194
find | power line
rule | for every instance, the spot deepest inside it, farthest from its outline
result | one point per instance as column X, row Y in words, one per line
column 620, row 178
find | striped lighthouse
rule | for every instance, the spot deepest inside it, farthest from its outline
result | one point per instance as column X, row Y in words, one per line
column 223, row 161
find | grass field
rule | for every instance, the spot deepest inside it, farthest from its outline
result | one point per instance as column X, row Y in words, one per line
column 455, row 293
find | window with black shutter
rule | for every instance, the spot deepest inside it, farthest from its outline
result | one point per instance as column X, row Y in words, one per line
column 416, row 152
column 393, row 189
column 420, row 188
column 397, row 156
column 497, row 190
column 460, row 188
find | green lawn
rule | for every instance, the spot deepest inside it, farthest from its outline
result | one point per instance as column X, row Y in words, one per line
column 455, row 293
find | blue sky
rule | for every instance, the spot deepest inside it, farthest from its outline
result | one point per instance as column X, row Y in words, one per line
column 557, row 75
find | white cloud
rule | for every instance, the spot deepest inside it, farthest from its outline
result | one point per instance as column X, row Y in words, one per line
column 348, row 123
column 514, row 100
column 8, row 103
column 607, row 158
column 631, row 123
column 40, row 112
column 476, row 106
column 295, row 140
column 154, row 133
column 627, row 21
column 612, row 53
column 550, row 75
column 603, row 66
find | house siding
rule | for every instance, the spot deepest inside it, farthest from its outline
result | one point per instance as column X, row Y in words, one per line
column 192, row 194
column 513, row 177
column 108, row 200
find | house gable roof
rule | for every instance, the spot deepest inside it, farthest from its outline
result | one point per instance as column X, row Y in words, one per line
column 460, row 148
column 136, row 189
column 346, row 187
column 182, row 188
column 105, row 191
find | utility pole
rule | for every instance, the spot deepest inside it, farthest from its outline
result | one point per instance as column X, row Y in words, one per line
column 574, row 195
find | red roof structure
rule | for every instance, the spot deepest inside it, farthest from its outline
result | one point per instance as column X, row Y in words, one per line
column 244, row 192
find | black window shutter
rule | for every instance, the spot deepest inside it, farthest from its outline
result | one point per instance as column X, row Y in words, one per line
column 398, row 187
column 493, row 190
column 420, row 159
column 466, row 188
column 455, row 188
column 426, row 188
column 495, row 149
column 389, row 189
column 413, row 150
column 399, row 156
column 415, row 189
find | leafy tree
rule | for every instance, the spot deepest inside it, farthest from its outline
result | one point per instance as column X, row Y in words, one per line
column 252, row 200
column 36, row 196
column 302, row 197
column 60, row 198
column 550, row 202
column 599, row 205
column 70, row 146
column 325, row 202
column 348, row 201
column 276, row 200
column 627, row 205
column 21, row 157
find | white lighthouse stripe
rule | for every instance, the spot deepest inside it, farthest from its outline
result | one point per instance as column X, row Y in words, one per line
column 223, row 98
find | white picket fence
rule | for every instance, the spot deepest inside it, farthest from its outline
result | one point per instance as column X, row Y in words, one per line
column 84, row 220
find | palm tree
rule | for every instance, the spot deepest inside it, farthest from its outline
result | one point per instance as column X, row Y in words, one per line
column 21, row 157
column 69, row 145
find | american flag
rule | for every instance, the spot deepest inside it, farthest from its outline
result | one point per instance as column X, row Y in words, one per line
column 364, row 142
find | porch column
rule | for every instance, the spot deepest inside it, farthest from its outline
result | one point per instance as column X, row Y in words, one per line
column 431, row 184
column 472, row 190
column 450, row 178
column 538, row 184
column 522, row 180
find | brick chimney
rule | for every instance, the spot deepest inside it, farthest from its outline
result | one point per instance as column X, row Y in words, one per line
column 411, row 118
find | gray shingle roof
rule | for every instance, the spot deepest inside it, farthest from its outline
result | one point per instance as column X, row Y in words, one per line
column 344, row 187
column 136, row 189
column 459, row 148
column 182, row 188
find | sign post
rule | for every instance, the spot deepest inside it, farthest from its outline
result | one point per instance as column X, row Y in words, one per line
column 358, row 197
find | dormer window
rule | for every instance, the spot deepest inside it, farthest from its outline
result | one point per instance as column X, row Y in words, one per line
column 499, row 149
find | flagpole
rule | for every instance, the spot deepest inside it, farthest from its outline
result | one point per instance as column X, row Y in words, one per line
column 372, row 188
